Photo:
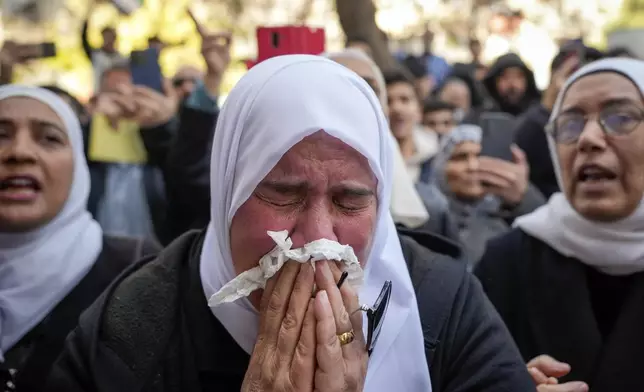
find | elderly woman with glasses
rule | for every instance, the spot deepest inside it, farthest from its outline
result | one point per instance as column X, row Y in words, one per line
column 569, row 279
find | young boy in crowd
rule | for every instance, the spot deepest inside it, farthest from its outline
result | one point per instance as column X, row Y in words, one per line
column 439, row 116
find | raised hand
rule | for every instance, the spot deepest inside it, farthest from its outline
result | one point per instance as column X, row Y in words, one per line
column 215, row 49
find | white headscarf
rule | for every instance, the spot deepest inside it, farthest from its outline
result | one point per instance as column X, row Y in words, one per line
column 273, row 107
column 615, row 248
column 39, row 268
column 406, row 206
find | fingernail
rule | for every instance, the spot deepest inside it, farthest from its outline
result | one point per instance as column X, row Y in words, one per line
column 580, row 386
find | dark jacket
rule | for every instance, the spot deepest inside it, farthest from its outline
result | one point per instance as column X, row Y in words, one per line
column 34, row 355
column 531, row 95
column 187, row 175
column 153, row 331
column 157, row 142
column 530, row 136
column 558, row 306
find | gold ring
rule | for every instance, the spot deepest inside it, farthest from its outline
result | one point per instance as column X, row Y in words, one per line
column 346, row 338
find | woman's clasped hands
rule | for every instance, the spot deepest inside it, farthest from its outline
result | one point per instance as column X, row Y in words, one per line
column 305, row 343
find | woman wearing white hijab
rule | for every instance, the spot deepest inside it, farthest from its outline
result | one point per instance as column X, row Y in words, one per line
column 310, row 155
column 569, row 279
column 54, row 260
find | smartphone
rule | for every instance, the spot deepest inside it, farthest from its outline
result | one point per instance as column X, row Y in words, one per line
column 145, row 69
column 498, row 135
column 36, row 51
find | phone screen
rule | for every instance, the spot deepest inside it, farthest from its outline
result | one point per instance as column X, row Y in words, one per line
column 498, row 135
column 145, row 69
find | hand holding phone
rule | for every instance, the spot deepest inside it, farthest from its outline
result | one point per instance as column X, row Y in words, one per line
column 507, row 180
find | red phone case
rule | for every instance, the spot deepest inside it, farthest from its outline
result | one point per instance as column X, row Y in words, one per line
column 283, row 40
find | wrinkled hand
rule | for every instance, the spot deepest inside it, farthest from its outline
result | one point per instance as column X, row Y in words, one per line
column 215, row 49
column 545, row 372
column 557, row 80
column 507, row 180
column 154, row 108
column 297, row 347
column 339, row 368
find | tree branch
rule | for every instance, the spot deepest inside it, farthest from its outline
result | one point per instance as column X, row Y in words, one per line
column 358, row 19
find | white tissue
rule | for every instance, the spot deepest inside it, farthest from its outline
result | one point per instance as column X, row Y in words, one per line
column 255, row 278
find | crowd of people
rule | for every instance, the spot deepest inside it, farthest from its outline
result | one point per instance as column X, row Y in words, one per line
column 497, row 225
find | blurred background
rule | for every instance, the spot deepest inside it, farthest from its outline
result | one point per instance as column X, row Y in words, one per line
column 453, row 23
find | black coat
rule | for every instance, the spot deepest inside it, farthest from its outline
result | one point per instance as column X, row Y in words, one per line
column 33, row 356
column 153, row 331
column 558, row 306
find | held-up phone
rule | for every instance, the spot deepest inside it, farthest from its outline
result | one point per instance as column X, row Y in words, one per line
column 498, row 137
column 145, row 69
column 36, row 51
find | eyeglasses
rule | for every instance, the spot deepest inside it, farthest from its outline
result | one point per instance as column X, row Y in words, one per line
column 376, row 315
column 618, row 120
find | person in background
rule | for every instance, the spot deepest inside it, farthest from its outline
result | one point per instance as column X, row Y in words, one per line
column 423, row 80
column 475, row 50
column 405, row 117
column 456, row 92
column 529, row 131
column 569, row 279
column 104, row 57
column 439, row 116
column 55, row 258
column 185, row 80
column 477, row 214
column 129, row 199
column 511, row 85
column 412, row 203
column 187, row 174
column 437, row 67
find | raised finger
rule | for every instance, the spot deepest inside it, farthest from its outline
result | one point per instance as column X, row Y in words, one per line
column 351, row 304
column 494, row 164
column 200, row 29
column 329, row 374
column 277, row 300
column 493, row 180
column 291, row 326
column 325, row 281
column 549, row 366
column 303, row 365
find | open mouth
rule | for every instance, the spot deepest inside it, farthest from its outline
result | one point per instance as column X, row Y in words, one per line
column 19, row 188
column 595, row 174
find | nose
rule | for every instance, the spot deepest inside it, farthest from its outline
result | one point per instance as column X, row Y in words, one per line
column 19, row 149
column 314, row 222
column 592, row 138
